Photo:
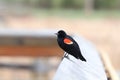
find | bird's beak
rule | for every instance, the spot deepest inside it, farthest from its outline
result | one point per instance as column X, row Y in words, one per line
column 56, row 33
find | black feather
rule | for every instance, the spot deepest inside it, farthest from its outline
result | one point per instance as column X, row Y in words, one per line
column 72, row 49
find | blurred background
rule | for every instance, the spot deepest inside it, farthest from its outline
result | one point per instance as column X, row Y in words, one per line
column 28, row 47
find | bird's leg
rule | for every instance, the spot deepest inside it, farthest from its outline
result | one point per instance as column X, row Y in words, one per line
column 66, row 56
column 63, row 56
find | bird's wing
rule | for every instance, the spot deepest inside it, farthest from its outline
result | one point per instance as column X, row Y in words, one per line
column 68, row 41
column 76, row 49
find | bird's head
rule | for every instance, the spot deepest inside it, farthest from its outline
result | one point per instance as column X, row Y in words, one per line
column 61, row 34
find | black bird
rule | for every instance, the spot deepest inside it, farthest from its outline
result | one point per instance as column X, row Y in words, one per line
column 69, row 45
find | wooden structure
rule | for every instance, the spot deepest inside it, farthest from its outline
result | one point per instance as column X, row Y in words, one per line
column 110, row 71
column 43, row 43
column 28, row 43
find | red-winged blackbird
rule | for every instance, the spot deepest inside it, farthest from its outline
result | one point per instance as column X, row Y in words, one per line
column 69, row 45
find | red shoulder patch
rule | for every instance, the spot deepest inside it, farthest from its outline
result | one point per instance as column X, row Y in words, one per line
column 67, row 41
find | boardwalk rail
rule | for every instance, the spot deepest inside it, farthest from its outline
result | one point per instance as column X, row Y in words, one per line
column 33, row 43
column 18, row 43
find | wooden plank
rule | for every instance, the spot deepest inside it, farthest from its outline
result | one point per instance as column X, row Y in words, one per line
column 109, row 67
column 31, row 51
column 32, row 43
column 74, row 69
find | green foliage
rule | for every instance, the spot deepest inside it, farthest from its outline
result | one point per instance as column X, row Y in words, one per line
column 105, row 4
column 67, row 3
column 74, row 4
column 79, row 3
column 56, row 3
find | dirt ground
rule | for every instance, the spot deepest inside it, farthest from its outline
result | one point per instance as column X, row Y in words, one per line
column 103, row 32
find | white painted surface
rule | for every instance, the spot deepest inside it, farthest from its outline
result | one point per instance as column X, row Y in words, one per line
column 78, row 70
column 26, row 32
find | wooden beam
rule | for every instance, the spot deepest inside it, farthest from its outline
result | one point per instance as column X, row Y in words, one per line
column 109, row 67
column 34, row 43
column 32, row 51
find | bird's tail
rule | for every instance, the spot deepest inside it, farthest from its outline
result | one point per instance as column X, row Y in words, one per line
column 82, row 58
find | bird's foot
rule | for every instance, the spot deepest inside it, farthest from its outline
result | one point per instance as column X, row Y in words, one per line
column 65, row 54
